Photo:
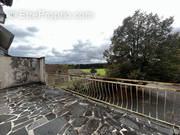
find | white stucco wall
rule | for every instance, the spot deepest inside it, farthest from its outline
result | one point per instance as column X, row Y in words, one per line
column 18, row 71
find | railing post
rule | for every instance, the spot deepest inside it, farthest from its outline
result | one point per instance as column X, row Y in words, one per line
column 121, row 96
column 137, row 98
column 117, row 93
column 131, row 98
column 143, row 101
column 113, row 94
column 165, row 94
column 157, row 96
column 149, row 102
column 126, row 96
column 174, row 107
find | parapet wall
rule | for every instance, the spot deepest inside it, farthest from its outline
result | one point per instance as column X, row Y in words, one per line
column 16, row 71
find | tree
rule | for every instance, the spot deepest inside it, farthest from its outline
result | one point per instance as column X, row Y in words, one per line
column 93, row 71
column 144, row 47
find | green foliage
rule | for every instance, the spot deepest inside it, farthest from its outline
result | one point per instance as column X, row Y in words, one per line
column 66, row 85
column 93, row 71
column 78, row 85
column 144, row 47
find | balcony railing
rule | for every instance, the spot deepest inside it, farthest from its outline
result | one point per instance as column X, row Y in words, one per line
column 155, row 102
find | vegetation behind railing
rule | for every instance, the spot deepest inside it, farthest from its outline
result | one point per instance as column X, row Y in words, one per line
column 157, row 103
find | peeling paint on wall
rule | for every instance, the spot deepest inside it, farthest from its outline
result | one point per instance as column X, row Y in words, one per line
column 25, row 69
column 18, row 70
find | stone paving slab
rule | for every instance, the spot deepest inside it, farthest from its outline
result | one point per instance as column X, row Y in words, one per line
column 43, row 110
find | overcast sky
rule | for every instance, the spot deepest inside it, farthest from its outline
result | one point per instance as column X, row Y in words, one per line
column 74, row 31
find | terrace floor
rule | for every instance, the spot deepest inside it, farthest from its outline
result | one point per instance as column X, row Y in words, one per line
column 44, row 110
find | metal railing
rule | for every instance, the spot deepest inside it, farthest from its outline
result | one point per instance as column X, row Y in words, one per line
column 157, row 103
column 136, row 81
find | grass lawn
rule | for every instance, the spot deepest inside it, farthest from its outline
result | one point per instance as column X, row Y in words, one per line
column 99, row 71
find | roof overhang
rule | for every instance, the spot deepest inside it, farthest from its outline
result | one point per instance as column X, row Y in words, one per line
column 6, row 38
column 7, row 2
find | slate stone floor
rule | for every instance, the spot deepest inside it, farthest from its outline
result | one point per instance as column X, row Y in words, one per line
column 43, row 110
